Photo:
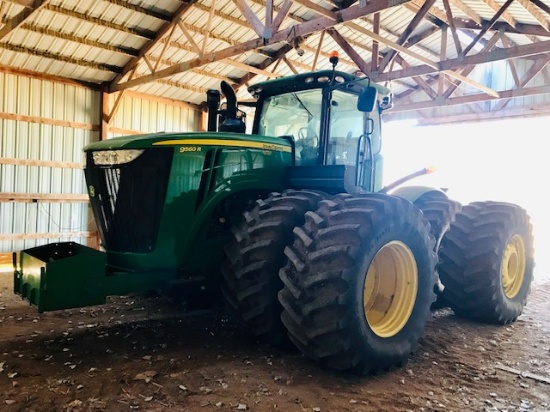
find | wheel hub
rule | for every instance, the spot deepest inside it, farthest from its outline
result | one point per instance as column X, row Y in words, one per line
column 513, row 266
column 391, row 286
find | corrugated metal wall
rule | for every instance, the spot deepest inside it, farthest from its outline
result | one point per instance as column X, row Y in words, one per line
column 46, row 121
column 138, row 114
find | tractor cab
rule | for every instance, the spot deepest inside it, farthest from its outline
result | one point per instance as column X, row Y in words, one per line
column 334, row 121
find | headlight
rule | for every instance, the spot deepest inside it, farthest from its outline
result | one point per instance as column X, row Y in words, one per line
column 115, row 157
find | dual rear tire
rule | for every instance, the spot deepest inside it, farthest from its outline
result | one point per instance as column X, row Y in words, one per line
column 350, row 279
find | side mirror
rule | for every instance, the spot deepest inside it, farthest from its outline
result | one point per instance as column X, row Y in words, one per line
column 367, row 99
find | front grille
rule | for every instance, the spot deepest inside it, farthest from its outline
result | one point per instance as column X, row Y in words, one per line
column 128, row 199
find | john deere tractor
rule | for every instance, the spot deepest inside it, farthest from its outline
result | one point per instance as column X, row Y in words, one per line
column 290, row 226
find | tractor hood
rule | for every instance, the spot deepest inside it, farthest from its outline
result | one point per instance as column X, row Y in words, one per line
column 193, row 139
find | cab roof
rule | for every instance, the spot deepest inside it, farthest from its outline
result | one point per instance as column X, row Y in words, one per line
column 311, row 80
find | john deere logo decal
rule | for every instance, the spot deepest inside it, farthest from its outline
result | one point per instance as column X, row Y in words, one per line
column 91, row 191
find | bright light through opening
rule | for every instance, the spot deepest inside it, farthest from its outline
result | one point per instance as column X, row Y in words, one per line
column 502, row 160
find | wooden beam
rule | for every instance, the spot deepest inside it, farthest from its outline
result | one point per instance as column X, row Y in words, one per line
column 105, row 115
column 59, row 57
column 152, row 12
column 486, row 28
column 479, row 58
column 442, row 56
column 472, row 98
column 535, row 69
column 48, row 77
column 166, row 43
column 459, row 4
column 208, row 24
column 513, row 69
column 406, row 33
column 290, row 65
column 497, row 7
column 317, row 51
column 166, row 27
column 541, row 5
column 353, row 55
column 523, row 29
column 40, row 163
column 285, row 35
column 428, row 62
column 541, row 18
column 423, row 84
column 52, row 122
column 146, row 34
column 452, row 26
column 250, row 16
column 43, row 197
column 120, row 49
column 468, row 69
column 20, row 17
column 189, row 38
column 281, row 14
column 375, row 55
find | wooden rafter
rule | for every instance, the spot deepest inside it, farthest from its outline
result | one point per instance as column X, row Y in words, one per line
column 20, row 18
column 535, row 69
column 540, row 17
column 375, row 45
column 468, row 69
column 472, row 98
column 542, row 47
column 350, row 51
column 406, row 33
column 432, row 64
column 250, row 16
column 319, row 45
column 511, row 64
column 501, row 11
column 459, row 4
column 59, row 57
column 423, row 84
column 285, row 35
column 166, row 27
column 525, row 29
column 452, row 26
column 485, row 29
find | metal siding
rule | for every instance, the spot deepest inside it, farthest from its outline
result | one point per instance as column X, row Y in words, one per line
column 150, row 116
column 28, row 140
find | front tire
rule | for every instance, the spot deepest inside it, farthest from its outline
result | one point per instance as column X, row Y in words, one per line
column 359, row 282
column 254, row 256
column 487, row 262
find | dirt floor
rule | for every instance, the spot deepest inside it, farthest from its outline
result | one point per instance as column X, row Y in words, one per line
column 143, row 354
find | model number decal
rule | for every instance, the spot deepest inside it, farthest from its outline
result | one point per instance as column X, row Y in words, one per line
column 184, row 149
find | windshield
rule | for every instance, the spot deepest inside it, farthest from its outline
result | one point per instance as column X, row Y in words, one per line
column 296, row 114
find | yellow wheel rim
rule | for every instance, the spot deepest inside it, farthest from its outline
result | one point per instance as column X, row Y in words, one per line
column 391, row 286
column 513, row 266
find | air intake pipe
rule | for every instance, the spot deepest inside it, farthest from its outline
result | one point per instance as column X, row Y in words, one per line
column 213, row 98
column 231, row 122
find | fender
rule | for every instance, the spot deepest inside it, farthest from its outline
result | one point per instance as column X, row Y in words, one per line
column 413, row 193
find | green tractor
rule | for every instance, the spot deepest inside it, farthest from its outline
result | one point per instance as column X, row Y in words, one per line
column 290, row 227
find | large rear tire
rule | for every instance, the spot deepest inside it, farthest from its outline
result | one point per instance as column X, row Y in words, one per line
column 440, row 211
column 487, row 262
column 359, row 282
column 254, row 256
